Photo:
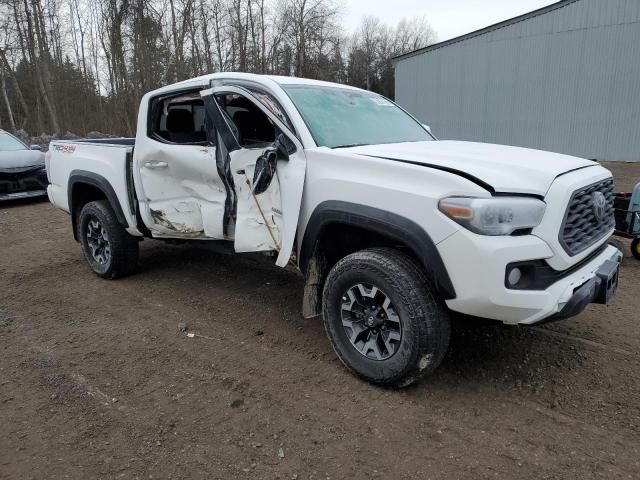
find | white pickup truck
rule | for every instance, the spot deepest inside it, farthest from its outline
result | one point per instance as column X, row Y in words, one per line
column 391, row 228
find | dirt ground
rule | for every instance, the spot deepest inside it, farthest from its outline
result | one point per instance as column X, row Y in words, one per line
column 97, row 382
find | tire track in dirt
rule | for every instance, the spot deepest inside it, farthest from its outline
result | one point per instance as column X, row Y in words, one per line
column 174, row 413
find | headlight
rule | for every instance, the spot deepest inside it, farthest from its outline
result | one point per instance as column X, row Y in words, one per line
column 494, row 216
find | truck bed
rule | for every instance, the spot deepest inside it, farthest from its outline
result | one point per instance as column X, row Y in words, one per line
column 106, row 161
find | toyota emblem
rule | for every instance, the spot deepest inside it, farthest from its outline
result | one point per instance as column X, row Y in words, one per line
column 599, row 206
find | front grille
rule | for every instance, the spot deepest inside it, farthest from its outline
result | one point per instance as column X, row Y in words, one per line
column 18, row 182
column 582, row 226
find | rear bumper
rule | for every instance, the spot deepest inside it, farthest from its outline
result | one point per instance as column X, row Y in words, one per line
column 477, row 266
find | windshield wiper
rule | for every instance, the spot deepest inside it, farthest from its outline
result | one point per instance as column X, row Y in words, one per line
column 350, row 145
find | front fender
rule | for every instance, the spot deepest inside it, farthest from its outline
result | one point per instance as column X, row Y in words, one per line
column 384, row 223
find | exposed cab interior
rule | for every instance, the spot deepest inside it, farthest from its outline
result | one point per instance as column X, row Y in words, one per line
column 179, row 119
column 250, row 124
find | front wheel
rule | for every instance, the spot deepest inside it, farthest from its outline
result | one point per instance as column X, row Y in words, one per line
column 110, row 251
column 383, row 317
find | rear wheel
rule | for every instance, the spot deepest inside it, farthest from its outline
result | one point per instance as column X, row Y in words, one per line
column 383, row 318
column 635, row 248
column 110, row 251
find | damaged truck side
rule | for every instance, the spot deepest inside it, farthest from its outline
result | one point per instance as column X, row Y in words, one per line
column 391, row 228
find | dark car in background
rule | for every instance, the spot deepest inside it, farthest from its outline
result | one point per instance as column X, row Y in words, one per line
column 22, row 171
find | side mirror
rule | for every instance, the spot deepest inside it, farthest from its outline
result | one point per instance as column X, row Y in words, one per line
column 265, row 170
column 284, row 146
column 36, row 147
column 267, row 162
column 427, row 127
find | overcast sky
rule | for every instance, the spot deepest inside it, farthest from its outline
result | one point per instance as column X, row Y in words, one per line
column 450, row 18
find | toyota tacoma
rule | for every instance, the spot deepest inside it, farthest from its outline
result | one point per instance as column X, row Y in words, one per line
column 392, row 229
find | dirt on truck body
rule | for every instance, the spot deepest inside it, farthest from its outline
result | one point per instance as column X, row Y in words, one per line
column 96, row 380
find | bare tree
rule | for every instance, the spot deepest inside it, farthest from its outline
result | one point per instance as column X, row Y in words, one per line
column 306, row 18
column 86, row 64
column 373, row 46
column 5, row 97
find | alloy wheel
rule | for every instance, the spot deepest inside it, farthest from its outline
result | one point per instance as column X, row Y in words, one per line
column 371, row 322
column 98, row 241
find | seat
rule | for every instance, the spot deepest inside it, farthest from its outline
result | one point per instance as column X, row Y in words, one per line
column 180, row 126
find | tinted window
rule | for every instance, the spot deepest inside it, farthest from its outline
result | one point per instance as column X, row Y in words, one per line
column 10, row 143
column 340, row 117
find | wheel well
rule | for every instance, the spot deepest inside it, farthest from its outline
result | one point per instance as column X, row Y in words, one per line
column 339, row 240
column 338, row 228
column 334, row 242
column 81, row 194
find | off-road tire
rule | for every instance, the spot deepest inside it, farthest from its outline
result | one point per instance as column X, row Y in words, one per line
column 424, row 317
column 123, row 247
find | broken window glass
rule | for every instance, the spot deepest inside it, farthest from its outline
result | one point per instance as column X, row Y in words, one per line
column 252, row 127
column 273, row 106
column 179, row 119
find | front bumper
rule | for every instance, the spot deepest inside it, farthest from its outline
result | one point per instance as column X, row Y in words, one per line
column 27, row 183
column 477, row 265
column 7, row 197
column 598, row 289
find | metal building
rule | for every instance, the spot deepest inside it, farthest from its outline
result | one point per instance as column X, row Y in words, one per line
column 564, row 78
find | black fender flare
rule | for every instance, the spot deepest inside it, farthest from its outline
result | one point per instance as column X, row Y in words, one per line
column 388, row 224
column 98, row 181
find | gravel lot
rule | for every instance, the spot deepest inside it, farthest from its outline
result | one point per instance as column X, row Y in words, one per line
column 96, row 381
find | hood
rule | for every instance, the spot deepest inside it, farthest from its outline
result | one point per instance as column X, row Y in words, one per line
column 499, row 167
column 21, row 160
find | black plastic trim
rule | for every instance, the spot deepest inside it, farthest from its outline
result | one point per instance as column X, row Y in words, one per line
column 131, row 192
column 538, row 274
column 599, row 289
column 381, row 222
column 225, row 143
column 219, row 125
column 89, row 178
column 561, row 232
column 582, row 296
column 105, row 142
column 134, row 205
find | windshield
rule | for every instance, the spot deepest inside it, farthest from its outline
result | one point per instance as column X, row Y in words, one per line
column 342, row 117
column 9, row 143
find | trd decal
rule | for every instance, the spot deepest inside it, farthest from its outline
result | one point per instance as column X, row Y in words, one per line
column 65, row 148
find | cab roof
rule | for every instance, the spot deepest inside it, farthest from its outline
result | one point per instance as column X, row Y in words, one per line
column 253, row 77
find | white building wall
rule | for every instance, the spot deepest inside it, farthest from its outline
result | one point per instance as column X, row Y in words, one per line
column 567, row 80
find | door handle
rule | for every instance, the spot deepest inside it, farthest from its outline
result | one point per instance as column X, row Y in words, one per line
column 153, row 164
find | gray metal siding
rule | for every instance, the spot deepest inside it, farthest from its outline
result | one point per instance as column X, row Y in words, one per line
column 567, row 81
